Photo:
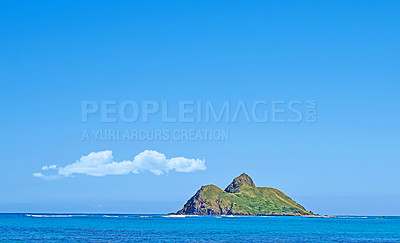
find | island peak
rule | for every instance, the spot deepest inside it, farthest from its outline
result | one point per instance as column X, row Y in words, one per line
column 242, row 180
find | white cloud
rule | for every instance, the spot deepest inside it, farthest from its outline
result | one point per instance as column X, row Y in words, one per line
column 102, row 164
column 49, row 167
column 40, row 175
column 46, row 177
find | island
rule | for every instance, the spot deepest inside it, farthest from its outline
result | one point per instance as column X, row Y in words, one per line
column 242, row 197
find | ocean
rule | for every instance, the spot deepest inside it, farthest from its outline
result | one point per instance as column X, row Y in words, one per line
column 164, row 228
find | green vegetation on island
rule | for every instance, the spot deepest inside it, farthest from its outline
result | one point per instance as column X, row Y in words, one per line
column 242, row 197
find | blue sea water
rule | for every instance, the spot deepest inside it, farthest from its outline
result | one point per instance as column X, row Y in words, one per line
column 162, row 228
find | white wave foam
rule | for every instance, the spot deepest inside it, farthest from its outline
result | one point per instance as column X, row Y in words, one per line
column 174, row 216
column 53, row 215
column 351, row 217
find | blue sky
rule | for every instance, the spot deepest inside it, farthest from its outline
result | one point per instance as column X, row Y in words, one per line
column 344, row 55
